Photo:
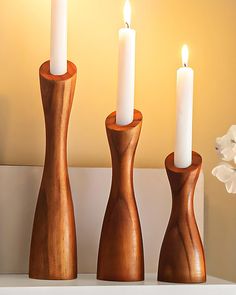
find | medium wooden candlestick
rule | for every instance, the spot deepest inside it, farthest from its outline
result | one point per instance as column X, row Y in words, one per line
column 182, row 256
column 53, row 247
column 120, row 255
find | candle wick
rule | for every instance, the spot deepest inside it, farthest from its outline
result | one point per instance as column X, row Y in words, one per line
column 185, row 65
column 127, row 25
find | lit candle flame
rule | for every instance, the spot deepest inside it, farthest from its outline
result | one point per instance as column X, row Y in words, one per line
column 127, row 13
column 185, row 55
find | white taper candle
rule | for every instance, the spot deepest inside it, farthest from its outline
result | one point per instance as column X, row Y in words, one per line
column 126, row 72
column 184, row 114
column 58, row 58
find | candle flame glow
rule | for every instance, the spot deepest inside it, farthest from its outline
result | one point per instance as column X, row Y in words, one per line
column 185, row 55
column 127, row 13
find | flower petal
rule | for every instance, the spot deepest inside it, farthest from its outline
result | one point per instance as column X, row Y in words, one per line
column 228, row 153
column 232, row 132
column 223, row 172
column 226, row 145
column 231, row 186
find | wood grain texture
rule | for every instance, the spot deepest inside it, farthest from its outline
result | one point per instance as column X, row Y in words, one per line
column 182, row 257
column 53, row 247
column 120, row 255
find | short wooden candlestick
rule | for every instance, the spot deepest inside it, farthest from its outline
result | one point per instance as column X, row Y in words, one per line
column 182, row 256
column 120, row 255
column 53, row 247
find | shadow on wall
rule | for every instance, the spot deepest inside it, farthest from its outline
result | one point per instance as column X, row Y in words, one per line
column 17, row 203
column 4, row 128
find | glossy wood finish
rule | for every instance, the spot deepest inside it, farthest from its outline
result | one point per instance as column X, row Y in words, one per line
column 182, row 256
column 120, row 255
column 53, row 247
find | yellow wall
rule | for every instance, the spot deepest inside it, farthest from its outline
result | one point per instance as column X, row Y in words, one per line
column 208, row 26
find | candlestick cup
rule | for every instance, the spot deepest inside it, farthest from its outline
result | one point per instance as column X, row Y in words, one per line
column 53, row 246
column 182, row 257
column 120, row 255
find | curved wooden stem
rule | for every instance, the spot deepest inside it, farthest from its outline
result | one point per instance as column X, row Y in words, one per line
column 53, row 247
column 120, row 255
column 182, row 256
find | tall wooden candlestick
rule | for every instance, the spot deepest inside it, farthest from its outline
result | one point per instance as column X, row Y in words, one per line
column 182, row 256
column 53, row 247
column 120, row 255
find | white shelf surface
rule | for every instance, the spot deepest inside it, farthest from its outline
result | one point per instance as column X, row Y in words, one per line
column 88, row 285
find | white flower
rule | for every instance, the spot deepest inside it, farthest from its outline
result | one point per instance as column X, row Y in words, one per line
column 226, row 145
column 226, row 174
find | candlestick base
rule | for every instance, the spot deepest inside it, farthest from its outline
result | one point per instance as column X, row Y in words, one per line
column 182, row 257
column 53, row 246
column 120, row 255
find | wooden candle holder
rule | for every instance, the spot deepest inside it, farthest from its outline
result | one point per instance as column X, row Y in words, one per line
column 120, row 255
column 182, row 256
column 53, row 247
